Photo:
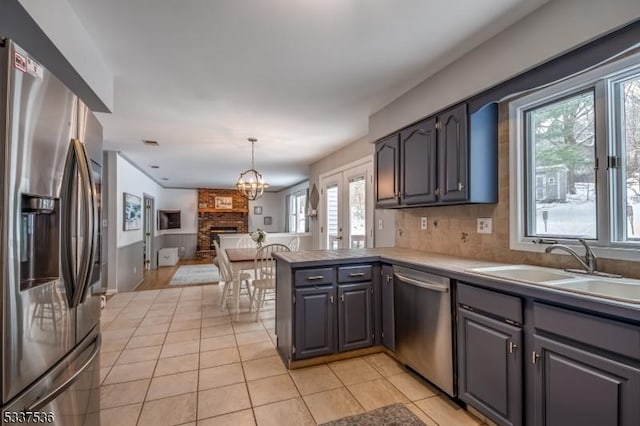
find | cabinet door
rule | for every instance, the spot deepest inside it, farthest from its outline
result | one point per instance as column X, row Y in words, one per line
column 490, row 367
column 576, row 387
column 418, row 156
column 388, row 319
column 387, row 163
column 453, row 148
column 314, row 327
column 355, row 319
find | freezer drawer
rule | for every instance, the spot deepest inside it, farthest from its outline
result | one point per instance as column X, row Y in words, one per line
column 69, row 394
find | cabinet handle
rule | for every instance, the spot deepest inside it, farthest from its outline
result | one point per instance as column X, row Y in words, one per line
column 460, row 186
column 512, row 347
column 437, row 192
column 342, row 297
column 356, row 274
column 330, row 299
column 315, row 277
column 534, row 357
column 388, row 279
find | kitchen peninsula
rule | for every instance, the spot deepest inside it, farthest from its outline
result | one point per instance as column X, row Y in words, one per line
column 520, row 344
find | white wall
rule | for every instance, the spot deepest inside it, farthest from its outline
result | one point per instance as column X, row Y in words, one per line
column 551, row 30
column 63, row 27
column 185, row 200
column 133, row 181
column 272, row 205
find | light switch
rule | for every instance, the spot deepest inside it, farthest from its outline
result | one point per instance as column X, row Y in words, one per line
column 423, row 223
column 379, row 224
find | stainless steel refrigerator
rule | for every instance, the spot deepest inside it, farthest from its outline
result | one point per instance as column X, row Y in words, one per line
column 51, row 152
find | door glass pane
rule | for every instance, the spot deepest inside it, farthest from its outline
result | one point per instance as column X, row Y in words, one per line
column 630, row 132
column 561, row 196
column 357, row 213
column 301, row 201
column 333, row 233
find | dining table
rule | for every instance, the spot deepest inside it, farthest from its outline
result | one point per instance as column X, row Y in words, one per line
column 240, row 259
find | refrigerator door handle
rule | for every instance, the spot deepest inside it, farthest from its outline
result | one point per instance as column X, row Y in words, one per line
column 41, row 402
column 66, row 237
column 90, row 235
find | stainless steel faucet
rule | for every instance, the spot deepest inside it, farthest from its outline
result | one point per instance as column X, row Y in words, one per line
column 590, row 262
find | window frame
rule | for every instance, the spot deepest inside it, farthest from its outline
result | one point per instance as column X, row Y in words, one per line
column 291, row 198
column 609, row 206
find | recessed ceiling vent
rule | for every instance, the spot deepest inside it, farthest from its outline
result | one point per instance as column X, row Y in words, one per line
column 150, row 142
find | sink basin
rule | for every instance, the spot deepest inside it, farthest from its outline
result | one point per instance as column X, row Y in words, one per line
column 626, row 291
column 526, row 273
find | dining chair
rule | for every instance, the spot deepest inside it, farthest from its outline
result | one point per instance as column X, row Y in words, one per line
column 245, row 242
column 265, row 274
column 226, row 275
column 294, row 243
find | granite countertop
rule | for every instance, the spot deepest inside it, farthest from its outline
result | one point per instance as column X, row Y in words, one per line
column 392, row 254
column 457, row 268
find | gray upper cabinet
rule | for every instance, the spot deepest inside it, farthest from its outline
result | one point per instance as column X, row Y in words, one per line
column 449, row 158
column 418, row 154
column 355, row 316
column 315, row 312
column 386, row 171
column 574, row 386
column 490, row 366
column 388, row 315
column 452, row 143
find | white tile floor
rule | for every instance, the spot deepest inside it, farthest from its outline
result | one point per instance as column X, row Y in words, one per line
column 173, row 357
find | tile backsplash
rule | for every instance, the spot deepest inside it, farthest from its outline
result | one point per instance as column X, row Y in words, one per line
column 453, row 229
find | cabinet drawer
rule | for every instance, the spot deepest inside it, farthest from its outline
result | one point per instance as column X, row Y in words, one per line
column 614, row 336
column 491, row 302
column 318, row 276
column 352, row 274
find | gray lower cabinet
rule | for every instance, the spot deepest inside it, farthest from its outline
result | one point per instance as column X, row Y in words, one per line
column 573, row 386
column 490, row 366
column 355, row 316
column 387, row 309
column 315, row 312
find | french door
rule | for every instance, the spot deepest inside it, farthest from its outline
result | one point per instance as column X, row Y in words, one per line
column 347, row 208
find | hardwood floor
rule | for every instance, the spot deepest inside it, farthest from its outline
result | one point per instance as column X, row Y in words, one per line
column 157, row 279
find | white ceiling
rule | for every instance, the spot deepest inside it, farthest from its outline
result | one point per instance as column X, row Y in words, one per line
column 302, row 76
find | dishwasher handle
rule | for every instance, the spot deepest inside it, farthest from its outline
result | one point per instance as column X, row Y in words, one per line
column 422, row 284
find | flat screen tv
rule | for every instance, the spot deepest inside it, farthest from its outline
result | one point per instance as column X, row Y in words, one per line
column 168, row 219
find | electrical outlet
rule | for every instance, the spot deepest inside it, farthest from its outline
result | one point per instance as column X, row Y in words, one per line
column 485, row 225
column 423, row 223
column 379, row 224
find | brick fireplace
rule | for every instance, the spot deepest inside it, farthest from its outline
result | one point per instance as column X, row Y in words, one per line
column 212, row 220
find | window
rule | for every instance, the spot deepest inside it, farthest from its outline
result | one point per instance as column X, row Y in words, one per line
column 560, row 151
column 296, row 208
column 575, row 162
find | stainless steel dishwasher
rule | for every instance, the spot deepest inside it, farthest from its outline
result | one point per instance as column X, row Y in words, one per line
column 424, row 339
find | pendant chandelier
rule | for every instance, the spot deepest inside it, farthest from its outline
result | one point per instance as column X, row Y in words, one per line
column 251, row 184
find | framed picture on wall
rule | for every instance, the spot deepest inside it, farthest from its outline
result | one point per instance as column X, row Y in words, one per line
column 224, row 202
column 131, row 212
column 257, row 210
column 268, row 220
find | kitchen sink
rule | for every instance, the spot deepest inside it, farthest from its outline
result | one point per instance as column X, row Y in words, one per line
column 616, row 289
column 526, row 273
column 623, row 289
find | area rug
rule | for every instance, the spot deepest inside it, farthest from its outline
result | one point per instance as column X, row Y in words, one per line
column 195, row 274
column 391, row 415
